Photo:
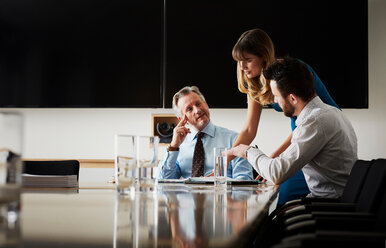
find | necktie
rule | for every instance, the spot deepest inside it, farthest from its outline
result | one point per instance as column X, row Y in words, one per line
column 198, row 157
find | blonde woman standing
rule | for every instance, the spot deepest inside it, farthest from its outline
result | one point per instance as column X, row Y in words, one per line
column 254, row 52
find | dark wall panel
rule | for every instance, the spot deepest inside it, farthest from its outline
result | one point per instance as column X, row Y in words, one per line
column 110, row 53
column 81, row 53
column 330, row 36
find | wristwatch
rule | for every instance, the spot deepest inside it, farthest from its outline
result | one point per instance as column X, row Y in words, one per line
column 246, row 151
column 171, row 148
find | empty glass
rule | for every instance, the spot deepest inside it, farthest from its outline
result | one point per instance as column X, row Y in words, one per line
column 147, row 157
column 11, row 126
column 220, row 166
column 125, row 162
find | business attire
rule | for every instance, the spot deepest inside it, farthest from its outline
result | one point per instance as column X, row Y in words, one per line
column 296, row 186
column 178, row 164
column 323, row 145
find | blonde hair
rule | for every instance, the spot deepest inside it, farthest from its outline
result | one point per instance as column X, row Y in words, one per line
column 258, row 43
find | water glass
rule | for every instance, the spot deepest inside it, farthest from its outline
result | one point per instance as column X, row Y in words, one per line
column 220, row 166
column 11, row 127
column 147, row 159
column 125, row 162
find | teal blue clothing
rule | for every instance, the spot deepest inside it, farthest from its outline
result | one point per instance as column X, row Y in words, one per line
column 296, row 186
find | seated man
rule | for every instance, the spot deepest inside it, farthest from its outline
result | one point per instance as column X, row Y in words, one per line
column 323, row 145
column 190, row 153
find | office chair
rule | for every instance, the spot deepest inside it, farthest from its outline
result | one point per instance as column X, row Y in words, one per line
column 358, row 186
column 350, row 194
column 369, row 214
column 368, row 199
column 369, row 231
column 60, row 167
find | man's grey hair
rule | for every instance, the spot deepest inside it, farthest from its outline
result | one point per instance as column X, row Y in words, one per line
column 183, row 92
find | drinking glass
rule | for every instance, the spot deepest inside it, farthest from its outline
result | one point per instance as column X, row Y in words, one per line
column 125, row 162
column 11, row 126
column 220, row 166
column 147, row 159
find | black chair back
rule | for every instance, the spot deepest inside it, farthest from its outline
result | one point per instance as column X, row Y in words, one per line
column 381, row 215
column 373, row 187
column 355, row 182
column 62, row 167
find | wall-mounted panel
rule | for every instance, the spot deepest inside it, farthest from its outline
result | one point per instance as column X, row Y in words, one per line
column 330, row 36
column 81, row 53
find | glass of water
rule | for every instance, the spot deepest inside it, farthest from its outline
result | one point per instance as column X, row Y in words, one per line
column 125, row 162
column 147, row 159
column 11, row 127
column 220, row 166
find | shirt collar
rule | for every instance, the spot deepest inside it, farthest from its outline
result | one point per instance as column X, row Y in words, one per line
column 314, row 103
column 208, row 130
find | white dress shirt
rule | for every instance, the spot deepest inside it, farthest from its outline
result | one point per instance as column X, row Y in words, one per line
column 323, row 145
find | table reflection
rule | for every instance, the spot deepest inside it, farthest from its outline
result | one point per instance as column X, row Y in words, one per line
column 236, row 210
column 180, row 216
column 136, row 220
column 186, row 215
column 10, row 234
column 176, row 215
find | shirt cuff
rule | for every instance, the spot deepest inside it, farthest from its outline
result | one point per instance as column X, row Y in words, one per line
column 171, row 160
column 253, row 156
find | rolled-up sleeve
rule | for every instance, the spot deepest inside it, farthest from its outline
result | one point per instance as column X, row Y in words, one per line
column 168, row 167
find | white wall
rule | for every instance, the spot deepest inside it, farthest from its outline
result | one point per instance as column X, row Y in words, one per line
column 89, row 133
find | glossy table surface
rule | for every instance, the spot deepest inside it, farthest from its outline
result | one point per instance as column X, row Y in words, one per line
column 177, row 215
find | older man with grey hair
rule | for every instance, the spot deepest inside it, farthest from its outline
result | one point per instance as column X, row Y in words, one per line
column 190, row 153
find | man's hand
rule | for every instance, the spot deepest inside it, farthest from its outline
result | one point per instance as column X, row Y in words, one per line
column 261, row 179
column 180, row 132
column 229, row 159
column 238, row 151
column 211, row 174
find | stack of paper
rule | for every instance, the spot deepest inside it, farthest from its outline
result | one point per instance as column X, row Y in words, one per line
column 52, row 181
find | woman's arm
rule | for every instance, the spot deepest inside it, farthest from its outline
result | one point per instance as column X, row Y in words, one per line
column 249, row 131
column 282, row 148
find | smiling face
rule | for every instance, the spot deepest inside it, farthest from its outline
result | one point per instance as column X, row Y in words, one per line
column 251, row 65
column 195, row 109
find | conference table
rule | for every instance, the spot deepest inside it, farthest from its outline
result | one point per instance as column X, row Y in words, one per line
column 176, row 215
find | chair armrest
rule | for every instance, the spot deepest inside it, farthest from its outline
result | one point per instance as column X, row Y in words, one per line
column 335, row 238
column 321, row 206
column 309, row 200
column 331, row 223
column 316, row 214
column 303, row 201
column 281, row 209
